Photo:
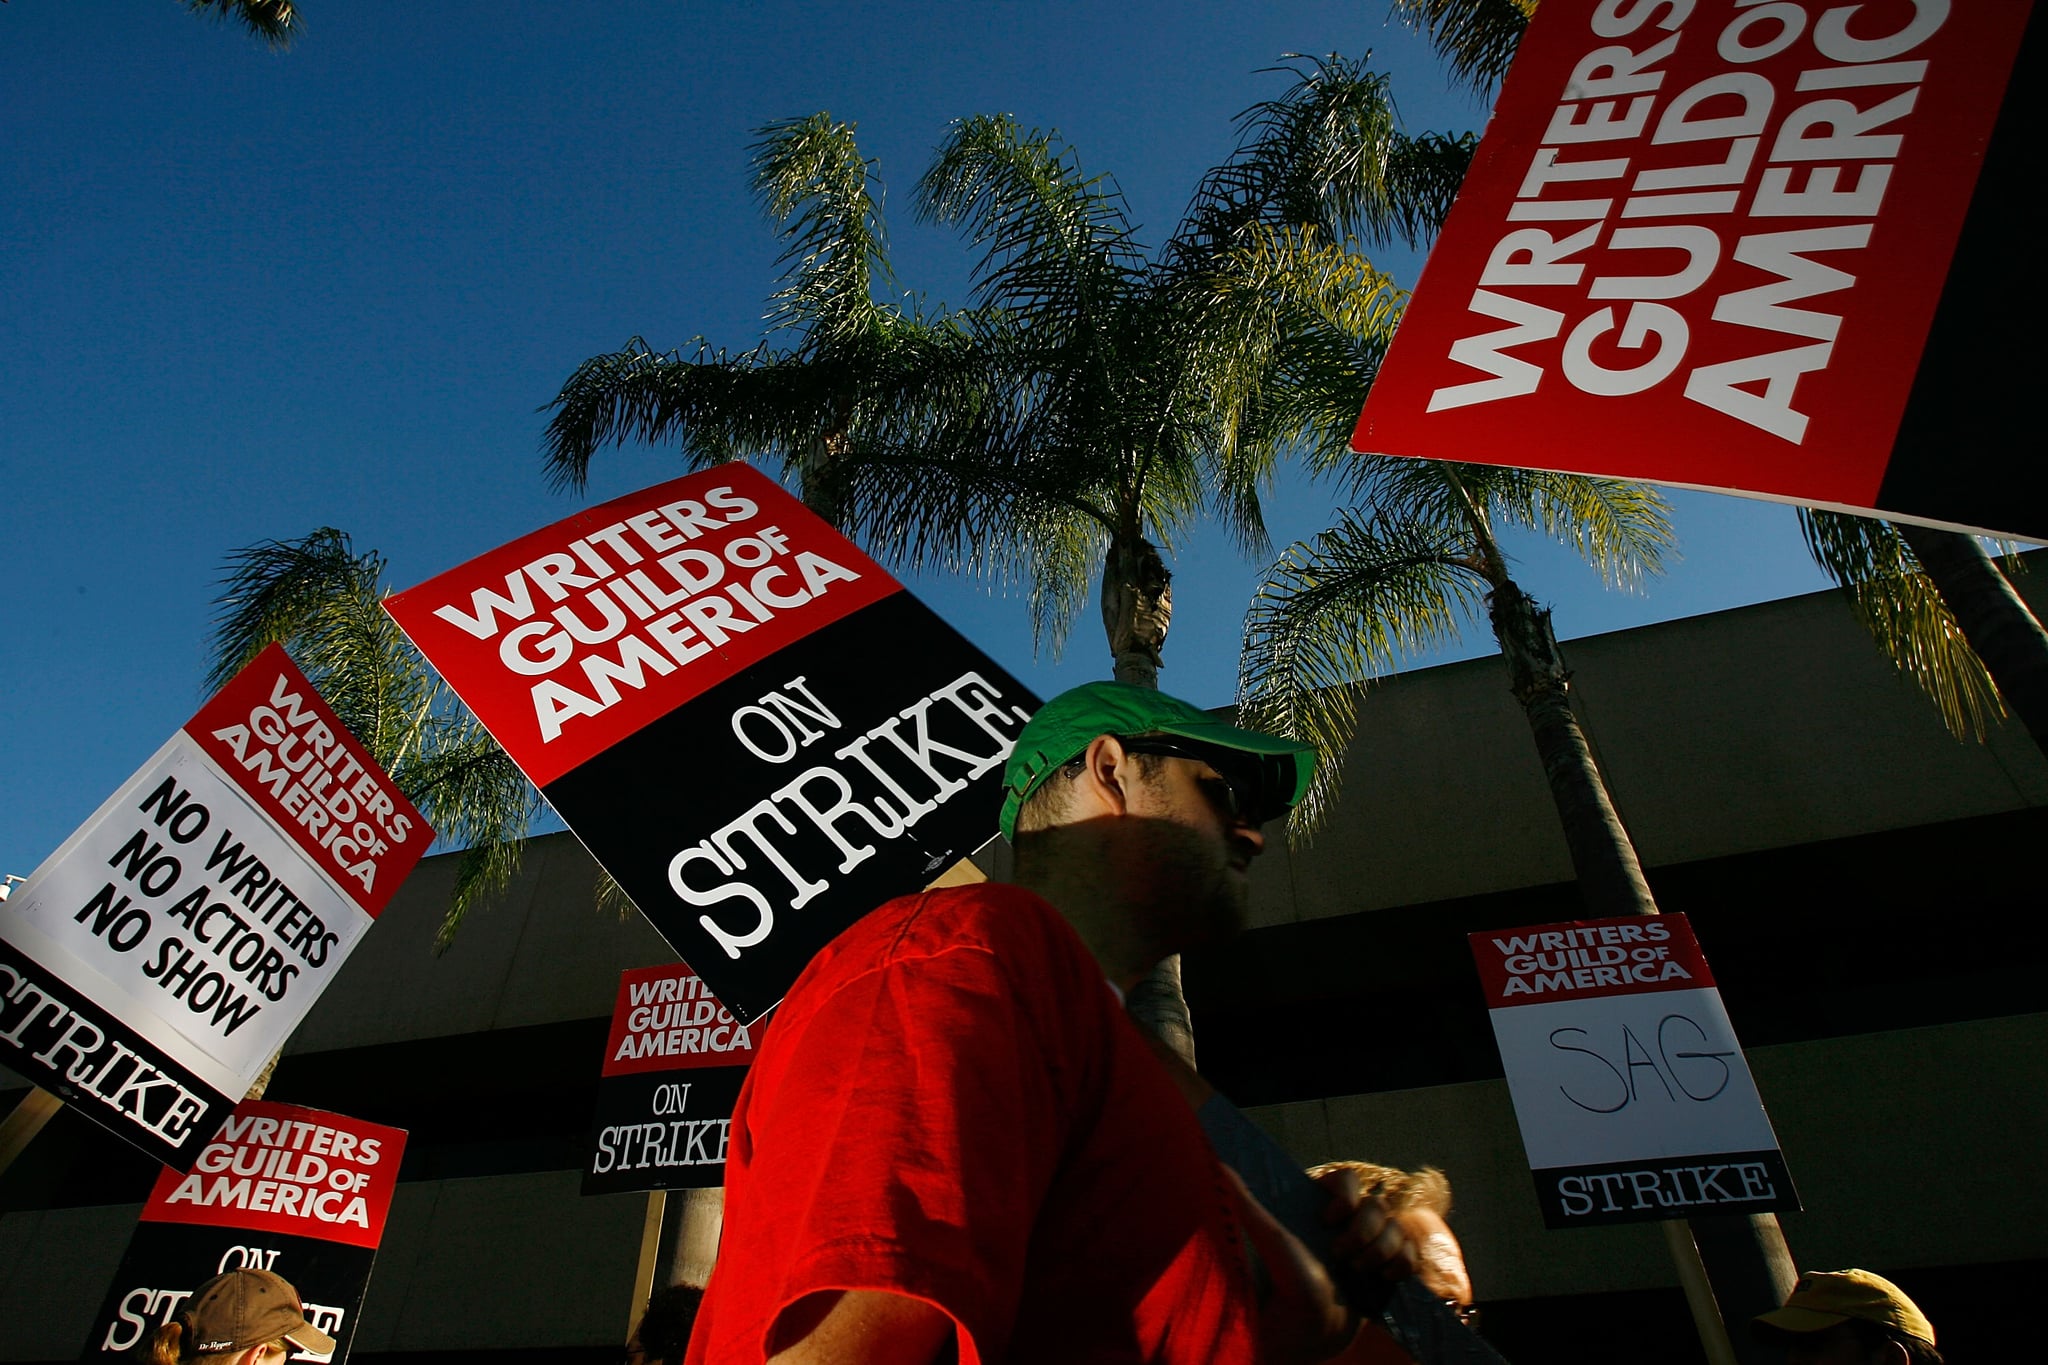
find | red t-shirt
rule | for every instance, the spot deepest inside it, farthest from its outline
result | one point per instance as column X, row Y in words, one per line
column 951, row 1105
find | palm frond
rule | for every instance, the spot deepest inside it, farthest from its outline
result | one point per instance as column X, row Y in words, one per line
column 1622, row 529
column 1906, row 615
column 1063, row 553
column 1423, row 176
column 712, row 403
column 1057, row 254
column 611, row 898
column 275, row 589
column 811, row 178
column 482, row 872
column 275, row 22
column 1295, row 330
column 1475, row 38
column 1327, row 154
column 1337, row 611
column 991, row 495
column 324, row 603
column 1426, row 492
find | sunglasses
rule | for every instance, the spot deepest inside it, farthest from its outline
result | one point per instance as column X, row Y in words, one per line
column 1246, row 787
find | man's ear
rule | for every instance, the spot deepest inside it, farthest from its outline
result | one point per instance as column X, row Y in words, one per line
column 1895, row 1353
column 1106, row 771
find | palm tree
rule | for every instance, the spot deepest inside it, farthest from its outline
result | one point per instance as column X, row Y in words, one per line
column 1072, row 417
column 1944, row 612
column 1404, row 573
column 1129, row 392
column 1066, row 419
column 276, row 22
column 1422, row 553
column 324, row 603
column 1745, row 1257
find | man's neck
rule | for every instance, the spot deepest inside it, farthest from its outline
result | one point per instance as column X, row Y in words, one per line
column 1077, row 874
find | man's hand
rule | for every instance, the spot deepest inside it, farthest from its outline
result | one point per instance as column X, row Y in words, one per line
column 1302, row 1318
column 1366, row 1240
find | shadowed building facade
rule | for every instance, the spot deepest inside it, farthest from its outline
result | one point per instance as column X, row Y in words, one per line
column 1863, row 885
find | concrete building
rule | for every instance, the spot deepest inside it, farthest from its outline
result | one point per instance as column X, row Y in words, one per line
column 1863, row 884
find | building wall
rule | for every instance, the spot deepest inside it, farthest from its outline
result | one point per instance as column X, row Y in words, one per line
column 1884, row 1133
column 1765, row 740
column 1764, row 727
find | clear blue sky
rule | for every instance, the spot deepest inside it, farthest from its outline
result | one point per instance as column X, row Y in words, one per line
column 245, row 294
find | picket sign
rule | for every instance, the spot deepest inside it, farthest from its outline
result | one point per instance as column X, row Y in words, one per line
column 1633, row 1097
column 673, row 1066
column 153, row 965
column 300, row 1192
column 748, row 723
column 1771, row 249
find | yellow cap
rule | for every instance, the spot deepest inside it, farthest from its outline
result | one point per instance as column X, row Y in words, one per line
column 1827, row 1298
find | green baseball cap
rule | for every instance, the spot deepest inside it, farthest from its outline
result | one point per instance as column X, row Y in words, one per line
column 1068, row 723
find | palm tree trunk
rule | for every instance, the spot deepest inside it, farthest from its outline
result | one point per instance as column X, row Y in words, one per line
column 1160, row 1007
column 262, row 1081
column 824, row 476
column 1603, row 859
column 1996, row 621
column 1747, row 1261
column 1137, row 607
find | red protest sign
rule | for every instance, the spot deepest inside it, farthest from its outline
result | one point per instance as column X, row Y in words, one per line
column 291, row 755
column 1703, row 244
column 568, row 640
column 286, row 1170
column 667, row 1019
column 1589, row 958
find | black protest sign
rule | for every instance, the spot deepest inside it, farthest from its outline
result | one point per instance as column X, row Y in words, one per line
column 751, row 726
column 806, row 791
column 165, row 1262
column 673, row 1067
column 662, row 1131
column 296, row 1191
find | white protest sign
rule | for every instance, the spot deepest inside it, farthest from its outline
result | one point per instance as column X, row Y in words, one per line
column 154, row 963
column 1631, row 1092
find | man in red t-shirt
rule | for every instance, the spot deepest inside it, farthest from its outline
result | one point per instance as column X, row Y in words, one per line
column 954, row 1144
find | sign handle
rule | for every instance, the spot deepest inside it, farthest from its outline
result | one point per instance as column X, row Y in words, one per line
column 20, row 1127
column 1699, row 1294
column 650, row 1260
column 962, row 873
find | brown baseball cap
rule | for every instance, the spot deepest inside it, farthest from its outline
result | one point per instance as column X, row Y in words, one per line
column 244, row 1308
column 1828, row 1298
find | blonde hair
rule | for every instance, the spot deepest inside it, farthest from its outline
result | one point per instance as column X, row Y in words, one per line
column 1426, row 1188
column 166, row 1346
